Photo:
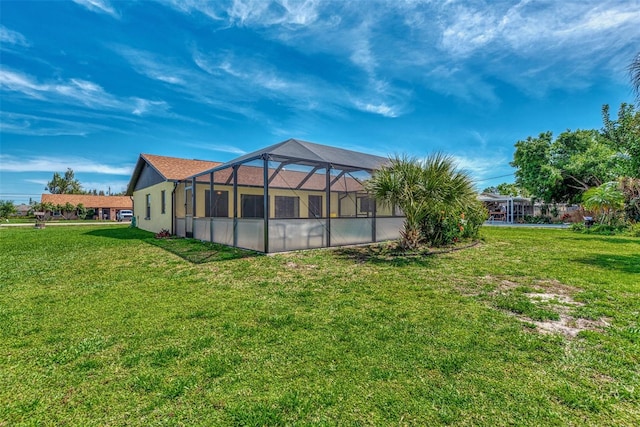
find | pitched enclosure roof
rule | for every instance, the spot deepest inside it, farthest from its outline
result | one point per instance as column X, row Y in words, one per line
column 309, row 153
column 89, row 201
column 253, row 176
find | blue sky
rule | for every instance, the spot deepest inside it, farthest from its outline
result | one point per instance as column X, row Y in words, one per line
column 91, row 84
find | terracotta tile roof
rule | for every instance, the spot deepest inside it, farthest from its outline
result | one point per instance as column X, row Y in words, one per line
column 174, row 168
column 89, row 201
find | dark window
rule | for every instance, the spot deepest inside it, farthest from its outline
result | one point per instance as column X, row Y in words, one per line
column 252, row 206
column 188, row 201
column 315, row 206
column 287, row 207
column 219, row 206
column 148, row 206
column 163, row 202
column 367, row 204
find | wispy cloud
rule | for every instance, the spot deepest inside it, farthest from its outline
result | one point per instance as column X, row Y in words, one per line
column 154, row 67
column 252, row 12
column 218, row 148
column 105, row 185
column 484, row 168
column 283, row 12
column 99, row 6
column 381, row 109
column 42, row 182
column 76, row 92
column 527, row 40
column 56, row 164
column 11, row 37
column 31, row 125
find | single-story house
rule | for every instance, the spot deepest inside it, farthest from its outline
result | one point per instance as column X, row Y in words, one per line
column 23, row 209
column 105, row 207
column 152, row 188
column 288, row 196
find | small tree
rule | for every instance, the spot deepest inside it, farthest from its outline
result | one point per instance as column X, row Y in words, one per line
column 400, row 184
column 630, row 188
column 42, row 212
column 81, row 211
column 67, row 210
column 7, row 208
column 66, row 184
column 606, row 199
column 435, row 197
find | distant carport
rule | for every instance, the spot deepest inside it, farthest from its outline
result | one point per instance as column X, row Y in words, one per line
column 508, row 209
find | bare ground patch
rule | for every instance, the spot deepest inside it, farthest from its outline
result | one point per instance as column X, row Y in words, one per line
column 525, row 301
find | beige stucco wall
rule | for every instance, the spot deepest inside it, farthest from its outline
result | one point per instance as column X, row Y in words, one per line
column 158, row 220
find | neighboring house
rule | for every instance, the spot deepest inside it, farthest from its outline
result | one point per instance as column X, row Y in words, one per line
column 105, row 207
column 22, row 210
column 152, row 188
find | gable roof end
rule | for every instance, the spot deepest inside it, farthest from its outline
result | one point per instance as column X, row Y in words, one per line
column 169, row 168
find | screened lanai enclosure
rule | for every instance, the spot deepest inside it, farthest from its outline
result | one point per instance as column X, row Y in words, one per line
column 289, row 196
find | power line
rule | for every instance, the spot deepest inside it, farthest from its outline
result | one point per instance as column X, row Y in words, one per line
column 495, row 177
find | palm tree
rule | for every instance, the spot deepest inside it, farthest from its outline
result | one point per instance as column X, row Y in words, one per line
column 400, row 184
column 450, row 194
column 634, row 72
column 606, row 199
column 428, row 192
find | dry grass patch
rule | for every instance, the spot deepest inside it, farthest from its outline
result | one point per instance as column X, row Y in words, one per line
column 546, row 305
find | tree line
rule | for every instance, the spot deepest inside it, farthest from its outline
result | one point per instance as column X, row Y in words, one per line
column 68, row 184
column 65, row 183
column 598, row 168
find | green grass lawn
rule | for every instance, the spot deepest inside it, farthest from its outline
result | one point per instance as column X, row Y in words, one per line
column 109, row 326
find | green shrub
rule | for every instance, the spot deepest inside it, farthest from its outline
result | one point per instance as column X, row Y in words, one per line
column 606, row 229
column 445, row 228
column 577, row 227
column 634, row 230
column 537, row 219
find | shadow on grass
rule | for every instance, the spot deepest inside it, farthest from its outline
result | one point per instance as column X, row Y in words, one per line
column 603, row 238
column 198, row 252
column 393, row 255
column 122, row 233
column 624, row 263
column 192, row 250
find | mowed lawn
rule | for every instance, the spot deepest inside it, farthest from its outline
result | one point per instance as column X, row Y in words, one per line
column 109, row 326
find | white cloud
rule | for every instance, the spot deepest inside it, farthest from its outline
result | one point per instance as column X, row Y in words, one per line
column 144, row 106
column 206, row 7
column 218, row 148
column 381, row 109
column 99, row 6
column 106, row 186
column 52, row 164
column 26, row 124
column 75, row 92
column 156, row 68
column 11, row 37
column 42, row 182
column 484, row 168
